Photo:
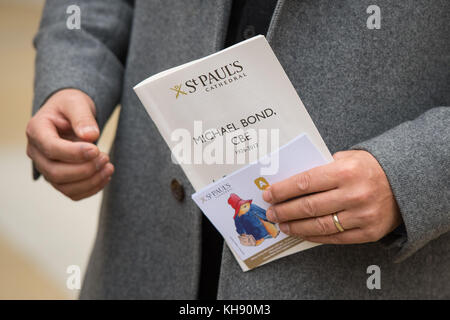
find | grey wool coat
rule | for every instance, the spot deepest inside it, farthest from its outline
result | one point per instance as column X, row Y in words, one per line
column 386, row 91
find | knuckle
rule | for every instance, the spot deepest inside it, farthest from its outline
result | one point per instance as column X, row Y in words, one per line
column 353, row 164
column 307, row 206
column 322, row 226
column 280, row 212
column 293, row 229
column 349, row 197
column 303, row 181
column 362, row 195
column 370, row 216
column 348, row 169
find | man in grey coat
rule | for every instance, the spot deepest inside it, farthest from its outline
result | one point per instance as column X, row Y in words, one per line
column 376, row 82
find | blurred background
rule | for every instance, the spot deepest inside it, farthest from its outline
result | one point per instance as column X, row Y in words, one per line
column 41, row 231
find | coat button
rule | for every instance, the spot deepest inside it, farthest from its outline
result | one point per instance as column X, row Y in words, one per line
column 249, row 32
column 177, row 190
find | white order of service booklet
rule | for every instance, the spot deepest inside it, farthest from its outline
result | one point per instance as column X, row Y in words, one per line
column 216, row 112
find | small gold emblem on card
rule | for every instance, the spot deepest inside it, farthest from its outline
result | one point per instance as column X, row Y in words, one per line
column 262, row 183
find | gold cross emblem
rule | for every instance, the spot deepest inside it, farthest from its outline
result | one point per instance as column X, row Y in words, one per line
column 178, row 90
column 262, row 183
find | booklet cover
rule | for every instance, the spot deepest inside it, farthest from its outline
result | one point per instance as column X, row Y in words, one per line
column 224, row 111
column 235, row 206
column 217, row 111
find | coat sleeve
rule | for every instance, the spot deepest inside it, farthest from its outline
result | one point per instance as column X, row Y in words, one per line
column 90, row 59
column 415, row 156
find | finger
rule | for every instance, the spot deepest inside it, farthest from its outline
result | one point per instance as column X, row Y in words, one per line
column 43, row 134
column 92, row 191
column 79, row 110
column 314, row 205
column 317, row 179
column 81, row 187
column 61, row 172
column 320, row 226
column 347, row 237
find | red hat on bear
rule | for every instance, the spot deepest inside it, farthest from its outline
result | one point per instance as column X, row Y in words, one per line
column 236, row 203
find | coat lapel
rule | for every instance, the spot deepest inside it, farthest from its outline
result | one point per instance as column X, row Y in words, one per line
column 222, row 10
column 275, row 19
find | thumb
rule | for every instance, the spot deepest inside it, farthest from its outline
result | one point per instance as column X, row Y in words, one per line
column 79, row 109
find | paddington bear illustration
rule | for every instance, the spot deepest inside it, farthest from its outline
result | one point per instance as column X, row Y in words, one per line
column 251, row 222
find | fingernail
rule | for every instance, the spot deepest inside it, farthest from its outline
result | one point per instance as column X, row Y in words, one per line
column 89, row 153
column 271, row 214
column 267, row 195
column 88, row 129
column 106, row 172
column 101, row 162
column 284, row 227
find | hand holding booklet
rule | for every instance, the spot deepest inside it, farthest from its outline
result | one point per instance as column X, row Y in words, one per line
column 225, row 106
column 235, row 207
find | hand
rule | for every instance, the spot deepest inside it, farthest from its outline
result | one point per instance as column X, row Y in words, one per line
column 60, row 143
column 354, row 186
